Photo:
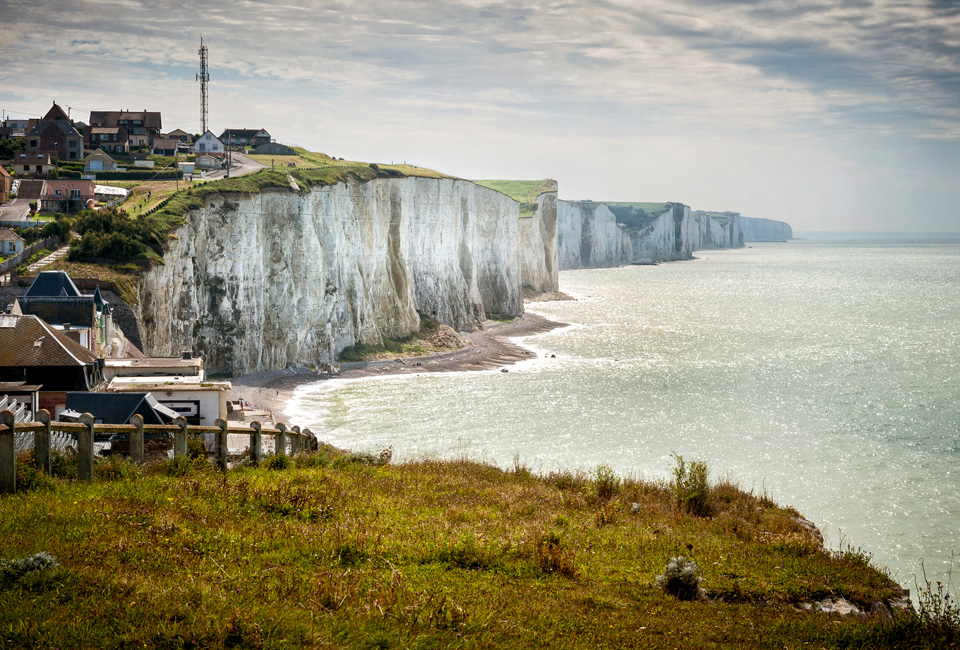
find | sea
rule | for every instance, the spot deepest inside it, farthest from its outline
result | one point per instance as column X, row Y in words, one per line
column 823, row 372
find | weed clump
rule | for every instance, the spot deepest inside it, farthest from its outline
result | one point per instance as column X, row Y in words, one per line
column 278, row 462
column 939, row 613
column 11, row 570
column 690, row 487
column 681, row 578
column 606, row 481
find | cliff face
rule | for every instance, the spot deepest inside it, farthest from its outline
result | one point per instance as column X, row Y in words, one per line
column 589, row 235
column 258, row 282
column 539, row 261
column 765, row 230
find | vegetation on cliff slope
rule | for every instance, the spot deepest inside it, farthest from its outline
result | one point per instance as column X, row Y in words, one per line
column 524, row 192
column 346, row 551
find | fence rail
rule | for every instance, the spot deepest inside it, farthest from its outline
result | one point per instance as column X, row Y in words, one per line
column 43, row 430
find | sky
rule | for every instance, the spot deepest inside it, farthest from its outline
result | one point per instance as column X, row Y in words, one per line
column 840, row 116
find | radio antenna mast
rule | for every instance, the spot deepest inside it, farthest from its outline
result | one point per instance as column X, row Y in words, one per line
column 203, row 78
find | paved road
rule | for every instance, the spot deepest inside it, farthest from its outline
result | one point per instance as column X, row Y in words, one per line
column 242, row 165
column 15, row 210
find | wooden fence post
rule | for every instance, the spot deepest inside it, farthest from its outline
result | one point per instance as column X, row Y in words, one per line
column 136, row 438
column 296, row 442
column 8, row 457
column 85, row 449
column 281, row 444
column 255, row 450
column 220, row 449
column 180, row 437
column 41, row 443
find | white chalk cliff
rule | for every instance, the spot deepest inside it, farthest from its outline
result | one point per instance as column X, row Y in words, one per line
column 591, row 235
column 255, row 282
column 765, row 230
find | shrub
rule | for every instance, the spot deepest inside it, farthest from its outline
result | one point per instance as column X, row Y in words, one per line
column 938, row 613
column 690, row 487
column 278, row 461
column 28, row 476
column 111, row 234
column 116, row 467
column 64, row 464
column 552, row 557
column 681, row 578
column 606, row 482
column 14, row 569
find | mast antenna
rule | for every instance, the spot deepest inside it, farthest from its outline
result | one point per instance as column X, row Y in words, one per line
column 203, row 78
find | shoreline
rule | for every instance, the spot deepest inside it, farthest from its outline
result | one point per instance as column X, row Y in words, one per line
column 490, row 347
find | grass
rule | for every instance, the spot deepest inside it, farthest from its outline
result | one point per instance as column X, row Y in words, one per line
column 345, row 551
column 124, row 276
column 432, row 337
column 524, row 192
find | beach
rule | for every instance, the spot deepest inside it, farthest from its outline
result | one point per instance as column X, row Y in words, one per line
column 489, row 347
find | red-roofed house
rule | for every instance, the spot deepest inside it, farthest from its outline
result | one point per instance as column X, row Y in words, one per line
column 55, row 133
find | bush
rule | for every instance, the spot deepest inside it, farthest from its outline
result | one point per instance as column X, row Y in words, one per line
column 681, row 578
column 938, row 613
column 606, row 482
column 111, row 234
column 690, row 486
column 278, row 461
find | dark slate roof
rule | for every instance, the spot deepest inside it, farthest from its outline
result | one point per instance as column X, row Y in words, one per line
column 149, row 119
column 28, row 342
column 60, row 310
column 52, row 283
column 241, row 133
column 118, row 408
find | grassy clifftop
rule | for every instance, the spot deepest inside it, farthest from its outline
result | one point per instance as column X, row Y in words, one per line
column 524, row 192
column 343, row 551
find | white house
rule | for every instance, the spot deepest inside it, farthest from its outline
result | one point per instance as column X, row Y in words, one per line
column 10, row 243
column 208, row 143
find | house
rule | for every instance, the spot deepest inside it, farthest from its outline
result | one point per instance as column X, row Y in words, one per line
column 208, row 143
column 274, row 149
column 165, row 147
column 185, row 366
column 18, row 127
column 201, row 402
column 186, row 167
column 10, row 243
column 99, row 161
column 55, row 133
column 180, row 136
column 34, row 352
column 38, row 164
column 142, row 126
column 108, row 138
column 66, row 195
column 244, row 137
column 208, row 162
column 6, row 185
column 84, row 318
column 116, row 408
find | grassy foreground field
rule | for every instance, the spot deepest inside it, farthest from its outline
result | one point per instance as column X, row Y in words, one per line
column 343, row 551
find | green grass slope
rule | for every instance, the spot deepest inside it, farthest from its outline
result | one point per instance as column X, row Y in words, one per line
column 524, row 192
column 343, row 551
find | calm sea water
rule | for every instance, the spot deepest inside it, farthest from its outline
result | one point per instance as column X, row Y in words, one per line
column 824, row 372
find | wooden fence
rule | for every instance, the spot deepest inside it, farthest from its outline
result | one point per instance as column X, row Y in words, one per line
column 86, row 428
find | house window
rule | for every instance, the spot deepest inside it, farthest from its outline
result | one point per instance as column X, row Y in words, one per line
column 57, row 193
column 104, row 136
column 74, row 194
column 203, row 146
column 12, row 247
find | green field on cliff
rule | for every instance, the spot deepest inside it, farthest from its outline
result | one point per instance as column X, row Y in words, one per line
column 652, row 208
column 336, row 550
column 524, row 192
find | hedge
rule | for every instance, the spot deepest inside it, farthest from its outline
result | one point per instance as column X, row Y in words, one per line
column 138, row 175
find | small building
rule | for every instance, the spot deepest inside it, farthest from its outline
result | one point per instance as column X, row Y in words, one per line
column 180, row 136
column 99, row 161
column 185, row 366
column 37, row 164
column 10, row 243
column 186, row 167
column 6, row 185
column 201, row 402
column 18, row 127
column 276, row 149
column 234, row 138
column 66, row 195
column 207, row 161
column 34, row 352
column 84, row 318
column 108, row 138
column 164, row 147
column 208, row 143
column 116, row 408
